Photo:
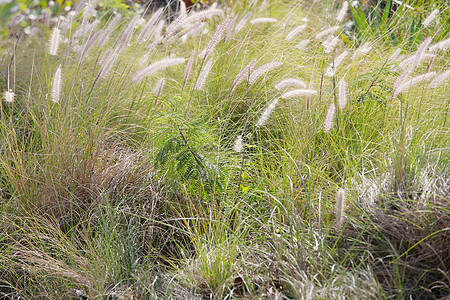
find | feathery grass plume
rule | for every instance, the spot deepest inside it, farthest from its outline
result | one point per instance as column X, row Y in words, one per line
column 330, row 44
column 107, row 32
column 288, row 19
column 216, row 38
column 56, row 86
column 182, row 7
column 262, row 70
column 342, row 12
column 193, row 30
column 203, row 75
column 8, row 96
column 428, row 20
column 413, row 81
column 439, row 79
column 332, row 69
column 340, row 208
column 242, row 23
column 82, row 31
column 303, row 44
column 147, row 30
column 263, row 20
column 328, row 124
column 109, row 59
column 189, row 66
column 442, row 45
column 176, row 25
column 295, row 32
column 54, row 41
column 238, row 144
column 157, row 66
column 411, row 67
column 126, row 34
column 159, row 88
column 343, row 97
column 266, row 114
column 87, row 45
column 413, row 58
column 201, row 16
column 395, row 55
column 288, row 82
column 362, row 50
column 327, row 32
column 242, row 75
column 230, row 29
column 299, row 93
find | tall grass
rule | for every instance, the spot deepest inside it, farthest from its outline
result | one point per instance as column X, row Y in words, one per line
column 215, row 157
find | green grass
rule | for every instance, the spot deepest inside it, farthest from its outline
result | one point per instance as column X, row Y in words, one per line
column 115, row 192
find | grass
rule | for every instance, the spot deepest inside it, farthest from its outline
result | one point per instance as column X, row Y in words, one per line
column 117, row 190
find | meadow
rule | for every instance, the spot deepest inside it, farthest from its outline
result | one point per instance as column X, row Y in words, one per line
column 248, row 150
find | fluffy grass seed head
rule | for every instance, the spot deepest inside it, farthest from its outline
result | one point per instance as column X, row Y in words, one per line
column 340, row 208
column 8, row 96
column 439, row 79
column 299, row 93
column 203, row 75
column 407, row 84
column 303, row 44
column 262, row 70
column 343, row 97
column 238, row 144
column 294, row 32
column 289, row 82
column 266, row 114
column 331, row 71
column 189, row 66
column 107, row 32
column 149, row 26
column 242, row 75
column 216, row 37
column 56, row 86
column 328, row 124
column 327, row 32
column 263, row 20
column 157, row 66
column 342, row 12
column 330, row 43
column 243, row 21
column 54, row 41
column 442, row 45
column 430, row 18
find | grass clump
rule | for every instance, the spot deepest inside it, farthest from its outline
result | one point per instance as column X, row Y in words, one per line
column 255, row 150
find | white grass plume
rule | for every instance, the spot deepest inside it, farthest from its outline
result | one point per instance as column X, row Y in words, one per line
column 430, row 18
column 395, row 55
column 238, row 144
column 439, row 79
column 230, row 29
column 203, row 75
column 362, row 50
column 413, row 58
column 149, row 26
column 206, row 14
column 289, row 82
column 327, row 32
column 126, row 34
column 243, row 21
column 242, row 75
column 340, row 208
column 332, row 69
column 262, row 70
column 414, row 81
column 328, row 124
column 299, row 93
column 343, row 96
column 189, row 66
column 108, row 62
column 8, row 96
column 330, row 44
column 303, row 44
column 157, row 66
column 442, row 45
column 56, row 86
column 54, row 41
column 176, row 25
column 342, row 12
column 216, row 38
column 294, row 32
column 266, row 114
column 107, row 32
column 263, row 20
